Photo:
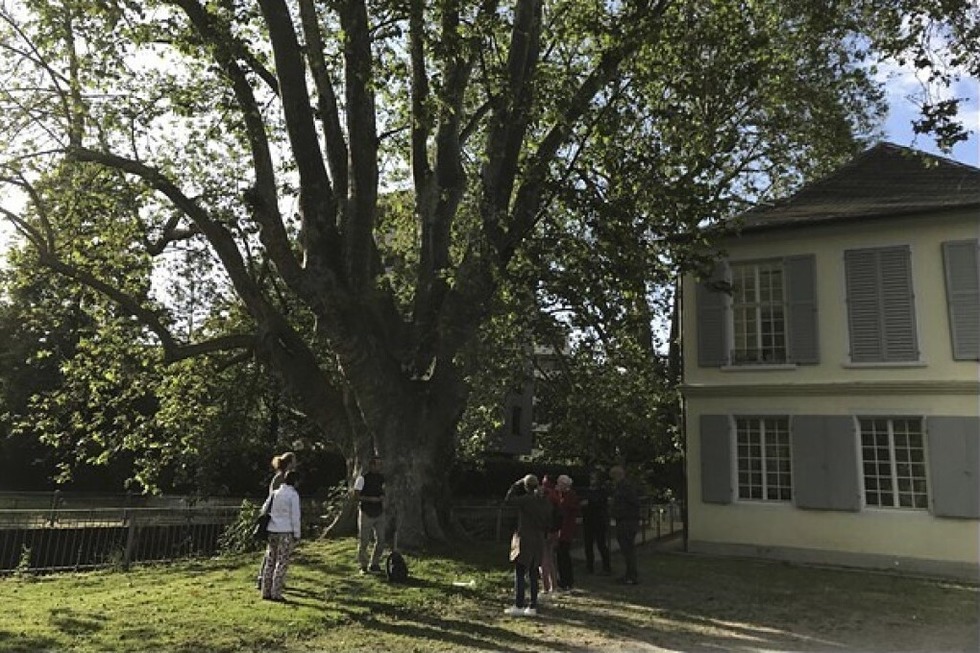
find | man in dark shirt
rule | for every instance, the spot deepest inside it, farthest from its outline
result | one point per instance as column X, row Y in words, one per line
column 595, row 522
column 369, row 490
column 626, row 512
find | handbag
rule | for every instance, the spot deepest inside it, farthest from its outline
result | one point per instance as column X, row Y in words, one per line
column 260, row 530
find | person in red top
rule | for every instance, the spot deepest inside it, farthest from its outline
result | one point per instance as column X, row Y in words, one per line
column 549, row 579
column 569, row 506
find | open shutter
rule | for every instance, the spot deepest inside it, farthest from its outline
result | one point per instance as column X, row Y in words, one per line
column 716, row 459
column 712, row 319
column 954, row 466
column 801, row 291
column 962, row 266
column 825, row 466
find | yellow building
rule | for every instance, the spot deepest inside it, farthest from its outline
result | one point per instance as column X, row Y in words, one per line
column 831, row 376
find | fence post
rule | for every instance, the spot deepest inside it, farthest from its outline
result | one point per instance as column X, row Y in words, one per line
column 130, row 521
column 55, row 503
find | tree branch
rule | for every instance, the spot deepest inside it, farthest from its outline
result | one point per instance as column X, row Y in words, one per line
column 318, row 204
column 360, row 254
column 528, row 200
column 336, row 144
column 264, row 198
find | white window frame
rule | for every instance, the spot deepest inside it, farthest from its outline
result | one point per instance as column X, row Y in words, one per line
column 760, row 426
column 893, row 464
column 762, row 357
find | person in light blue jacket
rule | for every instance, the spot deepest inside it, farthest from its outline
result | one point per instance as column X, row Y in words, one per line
column 284, row 532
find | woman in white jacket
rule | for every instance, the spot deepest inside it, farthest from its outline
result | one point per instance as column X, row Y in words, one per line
column 283, row 506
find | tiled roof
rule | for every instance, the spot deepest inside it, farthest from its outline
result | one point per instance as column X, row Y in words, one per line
column 886, row 180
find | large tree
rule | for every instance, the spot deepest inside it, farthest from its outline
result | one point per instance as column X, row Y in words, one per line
column 370, row 183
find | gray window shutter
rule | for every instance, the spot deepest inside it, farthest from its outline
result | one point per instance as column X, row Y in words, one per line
column 954, row 466
column 962, row 264
column 716, row 459
column 801, row 291
column 825, row 465
column 880, row 305
column 712, row 319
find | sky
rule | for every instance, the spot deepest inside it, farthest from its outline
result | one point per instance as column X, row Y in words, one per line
column 901, row 85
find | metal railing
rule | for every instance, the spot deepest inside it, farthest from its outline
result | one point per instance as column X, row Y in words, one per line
column 61, row 539
column 47, row 537
column 486, row 521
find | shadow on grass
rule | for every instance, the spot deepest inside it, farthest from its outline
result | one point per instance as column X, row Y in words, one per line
column 16, row 643
column 410, row 623
column 76, row 623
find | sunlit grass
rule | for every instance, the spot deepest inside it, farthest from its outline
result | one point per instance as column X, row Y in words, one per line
column 684, row 603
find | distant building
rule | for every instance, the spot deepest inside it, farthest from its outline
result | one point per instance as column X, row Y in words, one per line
column 521, row 425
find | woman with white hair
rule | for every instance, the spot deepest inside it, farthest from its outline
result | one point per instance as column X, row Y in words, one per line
column 569, row 506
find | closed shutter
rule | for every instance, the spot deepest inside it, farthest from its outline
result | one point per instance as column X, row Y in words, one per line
column 716, row 459
column 880, row 305
column 898, row 305
column 963, row 297
column 801, row 291
column 954, row 466
column 825, row 466
column 712, row 319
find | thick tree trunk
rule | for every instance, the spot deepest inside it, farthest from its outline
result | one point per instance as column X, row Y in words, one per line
column 417, row 448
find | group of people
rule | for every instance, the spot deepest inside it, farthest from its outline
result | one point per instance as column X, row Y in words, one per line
column 547, row 523
column 548, row 516
column 283, row 507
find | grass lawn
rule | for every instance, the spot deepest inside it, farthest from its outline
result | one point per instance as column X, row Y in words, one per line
column 684, row 603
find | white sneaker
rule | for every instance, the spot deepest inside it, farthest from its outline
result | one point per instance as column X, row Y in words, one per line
column 530, row 612
column 514, row 611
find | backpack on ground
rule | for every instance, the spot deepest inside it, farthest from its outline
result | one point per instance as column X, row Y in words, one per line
column 395, row 568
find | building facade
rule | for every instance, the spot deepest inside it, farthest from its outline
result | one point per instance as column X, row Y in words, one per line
column 831, row 376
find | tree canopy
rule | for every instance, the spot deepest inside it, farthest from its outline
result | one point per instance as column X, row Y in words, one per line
column 352, row 193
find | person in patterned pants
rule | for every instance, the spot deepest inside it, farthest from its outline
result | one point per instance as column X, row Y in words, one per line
column 284, row 532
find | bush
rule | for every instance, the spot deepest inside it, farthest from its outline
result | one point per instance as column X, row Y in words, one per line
column 237, row 536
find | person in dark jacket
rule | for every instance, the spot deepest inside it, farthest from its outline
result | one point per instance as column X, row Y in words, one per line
column 534, row 514
column 595, row 523
column 626, row 512
column 369, row 490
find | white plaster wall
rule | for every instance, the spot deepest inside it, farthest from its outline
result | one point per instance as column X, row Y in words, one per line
column 924, row 234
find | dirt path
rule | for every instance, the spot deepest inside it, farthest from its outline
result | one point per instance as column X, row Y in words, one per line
column 692, row 603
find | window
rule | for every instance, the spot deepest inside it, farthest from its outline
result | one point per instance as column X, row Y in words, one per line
column 516, row 415
column 893, row 455
column 880, row 305
column 758, row 313
column 762, row 312
column 764, row 467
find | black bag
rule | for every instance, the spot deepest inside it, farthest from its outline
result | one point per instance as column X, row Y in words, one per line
column 395, row 568
column 261, row 529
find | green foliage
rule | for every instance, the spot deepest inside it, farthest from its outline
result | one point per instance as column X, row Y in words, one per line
column 937, row 38
column 23, row 568
column 237, row 537
column 386, row 208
